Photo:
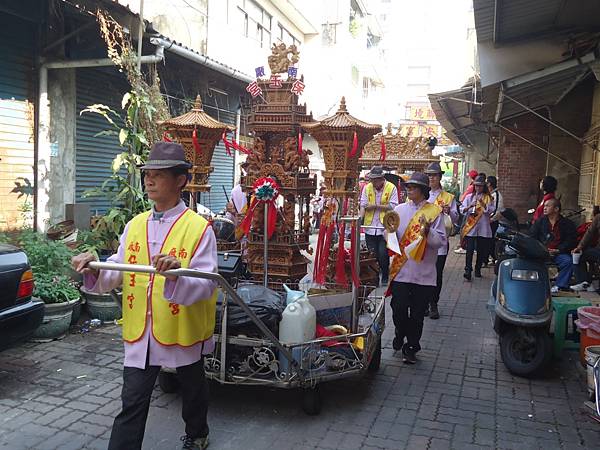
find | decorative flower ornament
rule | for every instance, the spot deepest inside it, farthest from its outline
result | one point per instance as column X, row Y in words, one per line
column 265, row 190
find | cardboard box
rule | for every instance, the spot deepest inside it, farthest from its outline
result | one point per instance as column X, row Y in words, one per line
column 332, row 309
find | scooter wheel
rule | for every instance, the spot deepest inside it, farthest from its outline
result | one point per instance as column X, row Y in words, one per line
column 525, row 351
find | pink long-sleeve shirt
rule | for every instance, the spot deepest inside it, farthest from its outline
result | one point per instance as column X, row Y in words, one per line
column 423, row 272
column 183, row 291
column 482, row 228
column 433, row 195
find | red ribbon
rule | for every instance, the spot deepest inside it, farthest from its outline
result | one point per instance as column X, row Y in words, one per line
column 299, row 143
column 195, row 142
column 383, row 150
column 227, row 144
column 353, row 271
column 165, row 137
column 354, row 145
column 340, row 264
column 235, row 145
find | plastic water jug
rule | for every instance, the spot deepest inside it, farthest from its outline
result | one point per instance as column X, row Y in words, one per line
column 292, row 295
column 298, row 323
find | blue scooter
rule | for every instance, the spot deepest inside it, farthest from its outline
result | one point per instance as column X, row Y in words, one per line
column 520, row 303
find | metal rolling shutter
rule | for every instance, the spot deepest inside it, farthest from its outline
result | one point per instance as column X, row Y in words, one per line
column 94, row 154
column 222, row 176
column 16, row 117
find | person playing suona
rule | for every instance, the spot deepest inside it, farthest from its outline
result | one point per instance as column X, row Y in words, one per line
column 548, row 186
column 447, row 203
column 420, row 235
column 559, row 235
column 167, row 321
column 590, row 254
column 476, row 230
column 378, row 197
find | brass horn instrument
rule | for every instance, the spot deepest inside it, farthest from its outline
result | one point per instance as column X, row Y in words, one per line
column 391, row 221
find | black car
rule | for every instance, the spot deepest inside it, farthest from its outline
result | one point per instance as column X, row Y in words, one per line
column 20, row 315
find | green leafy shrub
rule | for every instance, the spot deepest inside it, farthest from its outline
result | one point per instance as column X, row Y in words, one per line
column 55, row 288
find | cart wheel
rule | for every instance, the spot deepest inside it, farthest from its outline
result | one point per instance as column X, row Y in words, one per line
column 311, row 401
column 168, row 382
column 375, row 363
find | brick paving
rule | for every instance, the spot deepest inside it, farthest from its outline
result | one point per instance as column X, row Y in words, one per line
column 64, row 395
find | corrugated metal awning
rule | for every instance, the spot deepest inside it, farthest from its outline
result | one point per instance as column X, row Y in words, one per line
column 512, row 20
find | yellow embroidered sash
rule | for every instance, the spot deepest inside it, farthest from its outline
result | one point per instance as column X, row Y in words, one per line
column 472, row 219
column 444, row 199
column 413, row 243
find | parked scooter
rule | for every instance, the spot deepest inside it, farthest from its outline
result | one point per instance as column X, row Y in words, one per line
column 520, row 303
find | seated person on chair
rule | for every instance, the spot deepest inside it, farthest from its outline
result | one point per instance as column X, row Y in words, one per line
column 589, row 246
column 559, row 235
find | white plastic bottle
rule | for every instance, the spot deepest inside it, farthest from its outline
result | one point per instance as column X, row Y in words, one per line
column 298, row 325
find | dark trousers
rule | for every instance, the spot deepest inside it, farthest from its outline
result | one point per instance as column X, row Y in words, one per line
column 588, row 257
column 128, row 428
column 439, row 267
column 409, row 302
column 378, row 246
column 494, row 226
column 481, row 244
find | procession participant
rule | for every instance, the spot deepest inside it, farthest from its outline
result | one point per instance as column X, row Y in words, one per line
column 469, row 190
column 420, row 234
column 498, row 201
column 377, row 197
column 447, row 203
column 559, row 235
column 476, row 231
column 590, row 254
column 167, row 321
column 548, row 186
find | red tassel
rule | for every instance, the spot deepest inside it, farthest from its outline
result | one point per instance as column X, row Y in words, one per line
column 227, row 144
column 353, row 272
column 318, row 251
column 354, row 145
column 247, row 221
column 325, row 254
column 195, row 142
column 271, row 218
column 166, row 137
column 383, row 150
column 340, row 264
column 299, row 143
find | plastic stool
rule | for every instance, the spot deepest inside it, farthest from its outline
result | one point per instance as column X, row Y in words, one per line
column 565, row 308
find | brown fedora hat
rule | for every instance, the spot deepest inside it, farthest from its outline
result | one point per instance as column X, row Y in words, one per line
column 165, row 155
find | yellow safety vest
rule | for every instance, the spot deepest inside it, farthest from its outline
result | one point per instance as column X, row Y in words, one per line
column 388, row 188
column 172, row 324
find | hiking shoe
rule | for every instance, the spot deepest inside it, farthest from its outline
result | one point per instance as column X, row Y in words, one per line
column 582, row 287
column 460, row 251
column 426, row 311
column 478, row 273
column 408, row 356
column 467, row 275
column 435, row 313
column 190, row 443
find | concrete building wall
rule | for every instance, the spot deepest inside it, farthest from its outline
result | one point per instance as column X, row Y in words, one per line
column 62, row 92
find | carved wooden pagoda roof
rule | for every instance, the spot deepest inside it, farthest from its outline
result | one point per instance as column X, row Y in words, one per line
column 341, row 120
column 398, row 148
column 196, row 118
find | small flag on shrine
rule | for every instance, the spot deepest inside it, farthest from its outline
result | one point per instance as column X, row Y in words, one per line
column 292, row 72
column 195, row 142
column 260, row 71
column 354, row 145
column 297, row 87
column 275, row 81
column 300, row 143
column 254, row 89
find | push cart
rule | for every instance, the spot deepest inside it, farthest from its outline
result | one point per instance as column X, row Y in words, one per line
column 265, row 360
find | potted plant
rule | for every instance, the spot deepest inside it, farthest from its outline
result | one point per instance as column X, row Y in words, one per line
column 50, row 262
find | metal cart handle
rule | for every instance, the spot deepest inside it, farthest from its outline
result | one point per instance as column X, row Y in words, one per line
column 222, row 282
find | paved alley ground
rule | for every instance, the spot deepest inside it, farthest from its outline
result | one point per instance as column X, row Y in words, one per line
column 64, row 395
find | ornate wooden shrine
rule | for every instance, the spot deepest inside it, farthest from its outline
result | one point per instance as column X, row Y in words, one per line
column 341, row 138
column 402, row 153
column 198, row 133
column 275, row 121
